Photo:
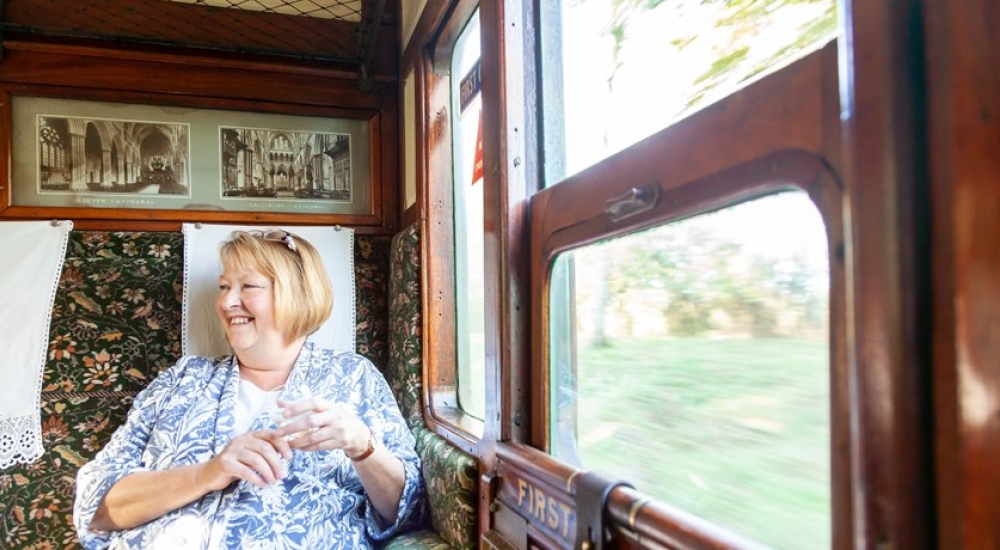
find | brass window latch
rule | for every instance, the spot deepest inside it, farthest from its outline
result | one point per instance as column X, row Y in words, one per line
column 634, row 201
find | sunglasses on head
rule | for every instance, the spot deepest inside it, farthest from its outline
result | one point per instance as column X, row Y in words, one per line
column 277, row 236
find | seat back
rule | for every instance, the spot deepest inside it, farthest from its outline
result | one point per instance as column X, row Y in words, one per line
column 450, row 475
column 115, row 324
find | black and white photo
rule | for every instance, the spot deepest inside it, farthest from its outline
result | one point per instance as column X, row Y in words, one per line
column 283, row 164
column 106, row 156
column 108, row 159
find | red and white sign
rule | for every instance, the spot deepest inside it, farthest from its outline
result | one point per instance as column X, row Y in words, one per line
column 477, row 161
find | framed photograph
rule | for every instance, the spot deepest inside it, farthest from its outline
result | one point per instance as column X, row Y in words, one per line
column 125, row 158
column 295, row 165
column 96, row 155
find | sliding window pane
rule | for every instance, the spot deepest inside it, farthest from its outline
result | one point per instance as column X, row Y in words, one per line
column 692, row 359
column 617, row 71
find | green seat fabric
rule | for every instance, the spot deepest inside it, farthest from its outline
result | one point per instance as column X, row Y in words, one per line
column 403, row 371
column 422, row 539
column 115, row 324
column 451, row 480
column 371, row 281
column 450, row 475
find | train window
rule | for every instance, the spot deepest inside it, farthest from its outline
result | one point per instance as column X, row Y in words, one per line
column 692, row 359
column 453, row 186
column 616, row 72
column 468, row 215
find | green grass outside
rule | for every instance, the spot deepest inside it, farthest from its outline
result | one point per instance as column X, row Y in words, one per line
column 735, row 431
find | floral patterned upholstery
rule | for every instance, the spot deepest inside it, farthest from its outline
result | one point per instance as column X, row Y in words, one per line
column 451, row 479
column 450, row 475
column 405, row 345
column 371, row 281
column 115, row 324
column 424, row 539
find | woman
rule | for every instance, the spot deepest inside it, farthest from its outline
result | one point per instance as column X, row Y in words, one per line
column 217, row 453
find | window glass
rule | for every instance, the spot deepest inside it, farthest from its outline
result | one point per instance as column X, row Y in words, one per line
column 617, row 71
column 468, row 188
column 692, row 359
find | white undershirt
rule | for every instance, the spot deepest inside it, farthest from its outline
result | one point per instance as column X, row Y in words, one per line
column 251, row 402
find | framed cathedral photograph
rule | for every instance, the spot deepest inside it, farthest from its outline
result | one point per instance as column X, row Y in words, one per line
column 109, row 160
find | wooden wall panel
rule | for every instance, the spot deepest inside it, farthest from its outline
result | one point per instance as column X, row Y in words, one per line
column 964, row 157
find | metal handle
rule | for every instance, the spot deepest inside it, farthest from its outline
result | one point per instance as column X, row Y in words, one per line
column 634, row 201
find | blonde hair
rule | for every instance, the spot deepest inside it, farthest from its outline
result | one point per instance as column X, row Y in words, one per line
column 303, row 296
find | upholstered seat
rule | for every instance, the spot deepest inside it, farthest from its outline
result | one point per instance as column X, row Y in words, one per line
column 450, row 475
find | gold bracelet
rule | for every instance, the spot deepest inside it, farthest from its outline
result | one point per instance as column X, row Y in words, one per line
column 368, row 452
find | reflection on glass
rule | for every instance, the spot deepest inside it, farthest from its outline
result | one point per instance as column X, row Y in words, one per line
column 692, row 360
column 469, row 271
column 617, row 71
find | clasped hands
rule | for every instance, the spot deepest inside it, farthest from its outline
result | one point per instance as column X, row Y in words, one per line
column 256, row 457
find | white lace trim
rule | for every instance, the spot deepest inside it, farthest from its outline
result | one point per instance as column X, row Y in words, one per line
column 186, row 230
column 20, row 440
column 353, row 286
column 21, row 435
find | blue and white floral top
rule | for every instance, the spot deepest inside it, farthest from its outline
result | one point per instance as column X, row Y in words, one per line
column 185, row 417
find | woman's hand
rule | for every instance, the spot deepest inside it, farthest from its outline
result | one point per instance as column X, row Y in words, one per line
column 316, row 425
column 321, row 426
column 254, row 457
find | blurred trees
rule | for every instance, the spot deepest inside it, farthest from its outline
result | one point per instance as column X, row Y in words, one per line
column 706, row 279
column 706, row 275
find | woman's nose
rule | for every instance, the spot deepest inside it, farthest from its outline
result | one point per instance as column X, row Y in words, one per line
column 229, row 298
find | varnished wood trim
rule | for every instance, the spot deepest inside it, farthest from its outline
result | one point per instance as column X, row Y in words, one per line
column 90, row 72
column 437, row 239
column 657, row 524
column 220, row 60
column 887, row 285
column 423, row 34
column 783, row 110
column 964, row 136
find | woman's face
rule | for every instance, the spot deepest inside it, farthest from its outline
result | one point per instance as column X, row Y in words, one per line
column 246, row 307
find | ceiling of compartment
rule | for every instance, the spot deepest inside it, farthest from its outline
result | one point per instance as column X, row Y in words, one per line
column 342, row 31
column 345, row 10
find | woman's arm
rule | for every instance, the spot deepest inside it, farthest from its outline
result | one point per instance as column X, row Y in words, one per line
column 383, row 477
column 144, row 496
column 390, row 476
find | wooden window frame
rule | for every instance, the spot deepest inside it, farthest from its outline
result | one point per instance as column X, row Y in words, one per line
column 441, row 410
column 851, row 107
column 656, row 523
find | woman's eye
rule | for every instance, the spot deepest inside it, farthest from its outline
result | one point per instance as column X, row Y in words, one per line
column 223, row 287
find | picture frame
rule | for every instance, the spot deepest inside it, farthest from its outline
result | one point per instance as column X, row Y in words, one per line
column 100, row 159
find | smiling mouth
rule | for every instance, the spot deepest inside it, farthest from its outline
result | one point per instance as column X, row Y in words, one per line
column 240, row 320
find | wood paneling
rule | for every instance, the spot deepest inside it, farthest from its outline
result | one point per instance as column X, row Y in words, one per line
column 964, row 159
column 887, row 287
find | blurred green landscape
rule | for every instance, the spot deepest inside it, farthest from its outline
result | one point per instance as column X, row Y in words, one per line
column 733, row 430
